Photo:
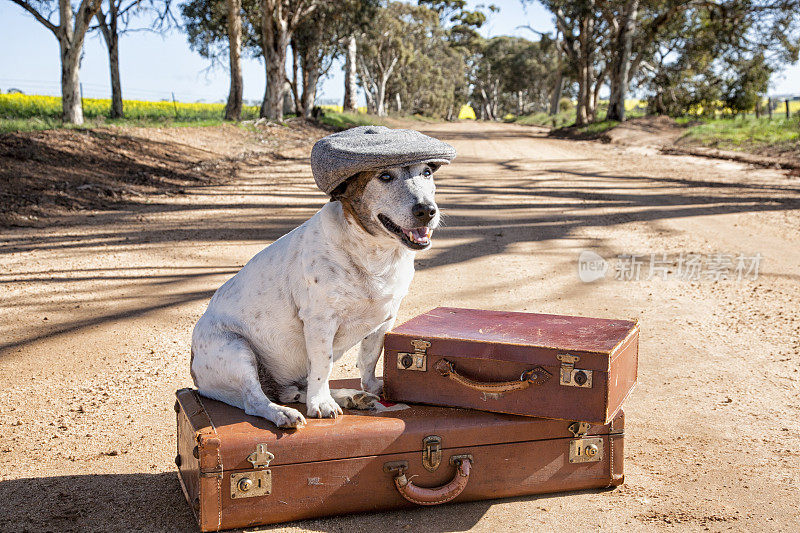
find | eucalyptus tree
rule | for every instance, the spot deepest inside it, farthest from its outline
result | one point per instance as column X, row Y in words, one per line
column 219, row 30
column 115, row 20
column 326, row 34
column 388, row 44
column 70, row 30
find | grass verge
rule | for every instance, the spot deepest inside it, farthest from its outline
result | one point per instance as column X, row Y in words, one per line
column 343, row 120
column 748, row 134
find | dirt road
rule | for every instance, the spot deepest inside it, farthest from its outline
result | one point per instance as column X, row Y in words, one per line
column 96, row 316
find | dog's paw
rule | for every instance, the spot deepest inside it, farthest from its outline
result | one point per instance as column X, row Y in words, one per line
column 372, row 386
column 322, row 407
column 354, row 399
column 292, row 394
column 286, row 417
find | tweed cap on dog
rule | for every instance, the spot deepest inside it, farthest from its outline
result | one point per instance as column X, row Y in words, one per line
column 344, row 154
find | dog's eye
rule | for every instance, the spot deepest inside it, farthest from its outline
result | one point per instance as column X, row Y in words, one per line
column 427, row 172
column 385, row 177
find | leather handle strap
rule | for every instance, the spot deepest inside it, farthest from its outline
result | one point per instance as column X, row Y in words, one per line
column 535, row 376
column 435, row 495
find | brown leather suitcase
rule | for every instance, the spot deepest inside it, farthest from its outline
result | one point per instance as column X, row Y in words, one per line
column 239, row 471
column 550, row 366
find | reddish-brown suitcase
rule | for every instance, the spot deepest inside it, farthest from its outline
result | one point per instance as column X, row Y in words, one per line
column 550, row 366
column 238, row 471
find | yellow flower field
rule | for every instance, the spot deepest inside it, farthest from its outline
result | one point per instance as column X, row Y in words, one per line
column 29, row 106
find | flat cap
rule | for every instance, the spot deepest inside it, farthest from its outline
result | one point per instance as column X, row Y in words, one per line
column 344, row 154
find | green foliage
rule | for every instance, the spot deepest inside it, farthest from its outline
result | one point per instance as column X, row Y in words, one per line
column 560, row 120
column 433, row 76
column 720, row 55
column 596, row 128
column 744, row 134
column 206, row 26
column 565, row 104
column 343, row 120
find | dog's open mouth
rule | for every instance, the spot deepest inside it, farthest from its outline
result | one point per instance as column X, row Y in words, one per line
column 415, row 238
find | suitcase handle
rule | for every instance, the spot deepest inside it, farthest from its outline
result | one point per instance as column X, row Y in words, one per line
column 433, row 495
column 536, row 376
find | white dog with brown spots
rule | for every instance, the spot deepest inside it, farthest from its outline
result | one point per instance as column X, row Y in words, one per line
column 281, row 323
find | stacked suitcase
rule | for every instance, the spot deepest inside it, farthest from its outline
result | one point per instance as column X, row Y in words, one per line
column 470, row 383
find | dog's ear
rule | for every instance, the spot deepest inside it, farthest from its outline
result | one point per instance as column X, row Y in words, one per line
column 340, row 191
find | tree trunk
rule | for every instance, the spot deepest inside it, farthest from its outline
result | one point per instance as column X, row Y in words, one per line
column 380, row 99
column 310, row 78
column 117, row 110
column 592, row 112
column 557, row 89
column 272, row 107
column 233, row 109
column 350, row 76
column 275, row 37
column 108, row 30
column 71, row 104
column 620, row 69
column 298, row 104
column 582, row 113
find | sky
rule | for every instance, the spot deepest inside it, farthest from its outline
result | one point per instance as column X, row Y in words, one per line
column 154, row 66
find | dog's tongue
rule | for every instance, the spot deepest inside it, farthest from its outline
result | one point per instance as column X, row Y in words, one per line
column 419, row 235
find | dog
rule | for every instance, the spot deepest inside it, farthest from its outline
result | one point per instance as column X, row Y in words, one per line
column 293, row 310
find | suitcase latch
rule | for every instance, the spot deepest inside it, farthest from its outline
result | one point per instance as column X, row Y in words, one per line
column 431, row 452
column 416, row 360
column 584, row 449
column 251, row 484
column 261, row 457
column 571, row 376
column 257, row 482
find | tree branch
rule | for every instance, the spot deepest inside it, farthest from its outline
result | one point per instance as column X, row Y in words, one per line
column 30, row 9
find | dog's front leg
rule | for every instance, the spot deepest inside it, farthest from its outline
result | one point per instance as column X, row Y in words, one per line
column 319, row 346
column 368, row 355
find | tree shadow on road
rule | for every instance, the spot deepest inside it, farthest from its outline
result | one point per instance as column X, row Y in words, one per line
column 155, row 503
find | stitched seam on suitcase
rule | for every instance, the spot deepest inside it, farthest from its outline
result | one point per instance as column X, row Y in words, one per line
column 220, row 469
column 611, row 454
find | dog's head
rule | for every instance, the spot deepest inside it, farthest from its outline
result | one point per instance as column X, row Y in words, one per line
column 395, row 202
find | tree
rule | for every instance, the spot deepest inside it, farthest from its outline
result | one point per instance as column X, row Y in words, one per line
column 623, row 27
column 429, row 82
column 280, row 19
column 388, row 44
column 217, row 30
column 319, row 39
column 115, row 21
column 70, row 32
column 514, row 75
column 350, row 76
column 720, row 55
column 233, row 108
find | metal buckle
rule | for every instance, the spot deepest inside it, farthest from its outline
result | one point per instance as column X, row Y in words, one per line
column 416, row 360
column 431, row 452
column 261, row 457
column 570, row 376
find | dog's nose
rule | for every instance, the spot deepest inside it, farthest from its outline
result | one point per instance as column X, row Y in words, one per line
column 424, row 212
